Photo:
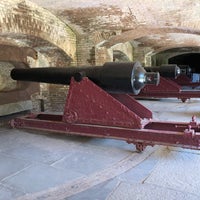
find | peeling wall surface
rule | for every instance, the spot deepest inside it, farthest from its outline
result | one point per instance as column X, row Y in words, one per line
column 62, row 33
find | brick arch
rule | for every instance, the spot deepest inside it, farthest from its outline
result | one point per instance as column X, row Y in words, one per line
column 166, row 53
column 143, row 31
column 120, row 56
column 16, row 53
column 10, row 52
column 181, row 53
column 123, row 52
column 26, row 18
column 166, row 48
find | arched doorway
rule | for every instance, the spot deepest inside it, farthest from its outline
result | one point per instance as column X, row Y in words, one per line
column 191, row 59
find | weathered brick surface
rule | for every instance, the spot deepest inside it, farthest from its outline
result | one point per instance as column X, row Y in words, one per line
column 57, row 97
column 25, row 30
column 24, row 17
column 6, row 83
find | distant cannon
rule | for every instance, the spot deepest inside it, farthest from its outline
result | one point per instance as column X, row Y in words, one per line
column 165, row 70
column 188, row 78
column 114, row 77
column 185, row 70
column 175, row 82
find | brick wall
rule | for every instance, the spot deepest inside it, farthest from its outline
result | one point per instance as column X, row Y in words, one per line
column 58, row 96
column 26, row 18
column 27, row 26
column 85, row 51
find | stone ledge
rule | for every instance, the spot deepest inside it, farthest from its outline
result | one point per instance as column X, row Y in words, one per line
column 11, row 108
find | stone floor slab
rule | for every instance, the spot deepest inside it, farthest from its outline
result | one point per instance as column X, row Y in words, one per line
column 178, row 170
column 87, row 162
column 98, row 192
column 127, row 191
column 7, row 193
column 40, row 177
column 32, row 153
column 9, row 166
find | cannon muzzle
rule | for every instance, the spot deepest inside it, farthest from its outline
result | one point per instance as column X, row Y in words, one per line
column 113, row 77
column 185, row 70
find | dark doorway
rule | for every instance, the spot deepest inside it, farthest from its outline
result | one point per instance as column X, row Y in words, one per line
column 191, row 59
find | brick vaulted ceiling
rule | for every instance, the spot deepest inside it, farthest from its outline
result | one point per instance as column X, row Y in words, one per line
column 160, row 24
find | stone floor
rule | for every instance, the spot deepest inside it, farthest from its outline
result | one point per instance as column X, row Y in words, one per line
column 37, row 165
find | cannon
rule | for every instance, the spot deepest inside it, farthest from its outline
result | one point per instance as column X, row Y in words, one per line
column 185, row 70
column 175, row 82
column 187, row 78
column 165, row 70
column 96, row 106
column 113, row 77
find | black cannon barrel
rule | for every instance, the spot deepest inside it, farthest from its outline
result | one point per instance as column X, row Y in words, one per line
column 185, row 70
column 165, row 70
column 115, row 77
